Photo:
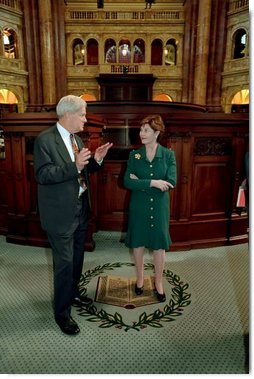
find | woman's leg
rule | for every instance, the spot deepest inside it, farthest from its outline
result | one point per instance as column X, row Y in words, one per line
column 159, row 262
column 138, row 254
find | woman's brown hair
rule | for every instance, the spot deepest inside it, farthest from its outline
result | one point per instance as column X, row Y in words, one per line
column 154, row 121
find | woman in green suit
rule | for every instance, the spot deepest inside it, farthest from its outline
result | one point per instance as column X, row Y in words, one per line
column 150, row 174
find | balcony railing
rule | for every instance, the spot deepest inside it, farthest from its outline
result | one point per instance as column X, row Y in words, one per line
column 238, row 4
column 124, row 69
column 11, row 64
column 114, row 15
column 11, row 3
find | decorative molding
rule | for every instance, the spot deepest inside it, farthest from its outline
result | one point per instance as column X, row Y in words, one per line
column 219, row 146
column 179, row 135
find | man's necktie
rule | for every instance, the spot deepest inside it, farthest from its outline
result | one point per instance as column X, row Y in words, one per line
column 74, row 145
column 75, row 149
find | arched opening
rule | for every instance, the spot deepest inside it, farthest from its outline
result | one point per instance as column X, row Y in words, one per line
column 8, row 101
column 139, row 51
column 170, row 52
column 124, row 51
column 162, row 97
column 240, row 102
column 110, row 51
column 88, row 97
column 92, row 52
column 8, row 104
column 10, row 43
column 240, row 44
column 78, row 50
column 156, row 52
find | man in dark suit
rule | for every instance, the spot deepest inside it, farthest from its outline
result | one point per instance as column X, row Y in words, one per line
column 62, row 166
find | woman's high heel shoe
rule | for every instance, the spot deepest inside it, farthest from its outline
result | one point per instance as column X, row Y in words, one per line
column 138, row 290
column 160, row 296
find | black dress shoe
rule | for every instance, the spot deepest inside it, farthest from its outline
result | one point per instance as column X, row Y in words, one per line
column 138, row 290
column 68, row 326
column 160, row 296
column 82, row 300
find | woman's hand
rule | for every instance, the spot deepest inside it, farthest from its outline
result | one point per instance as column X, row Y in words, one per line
column 133, row 176
column 162, row 185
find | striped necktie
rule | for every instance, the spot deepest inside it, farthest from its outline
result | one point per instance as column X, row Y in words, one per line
column 75, row 149
column 74, row 145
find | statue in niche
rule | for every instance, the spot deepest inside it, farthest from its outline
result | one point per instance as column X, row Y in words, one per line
column 170, row 55
column 79, row 54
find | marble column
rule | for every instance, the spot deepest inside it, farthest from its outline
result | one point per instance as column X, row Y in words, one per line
column 202, row 52
column 217, row 48
column 31, row 35
column 189, row 48
column 47, row 52
column 58, row 10
column 1, row 46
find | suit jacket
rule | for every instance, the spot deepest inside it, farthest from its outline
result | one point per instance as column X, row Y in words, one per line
column 57, row 178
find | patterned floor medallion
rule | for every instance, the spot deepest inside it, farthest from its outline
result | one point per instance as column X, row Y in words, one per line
column 177, row 300
column 120, row 291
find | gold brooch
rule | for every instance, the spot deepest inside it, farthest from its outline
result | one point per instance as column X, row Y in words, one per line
column 137, row 156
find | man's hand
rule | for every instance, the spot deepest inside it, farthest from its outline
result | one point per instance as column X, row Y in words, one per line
column 82, row 158
column 101, row 151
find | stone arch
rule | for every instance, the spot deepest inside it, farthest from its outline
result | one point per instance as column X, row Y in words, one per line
column 162, row 97
column 88, row 97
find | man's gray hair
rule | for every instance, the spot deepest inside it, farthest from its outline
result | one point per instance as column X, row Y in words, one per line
column 69, row 103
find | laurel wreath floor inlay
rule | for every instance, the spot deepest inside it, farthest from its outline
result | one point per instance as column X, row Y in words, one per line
column 166, row 312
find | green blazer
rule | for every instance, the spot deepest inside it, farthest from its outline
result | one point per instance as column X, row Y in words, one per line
column 57, row 178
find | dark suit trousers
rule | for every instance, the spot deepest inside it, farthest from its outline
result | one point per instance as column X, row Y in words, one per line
column 68, row 256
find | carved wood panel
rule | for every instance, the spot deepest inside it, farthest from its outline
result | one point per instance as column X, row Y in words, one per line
column 211, row 184
column 113, row 200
